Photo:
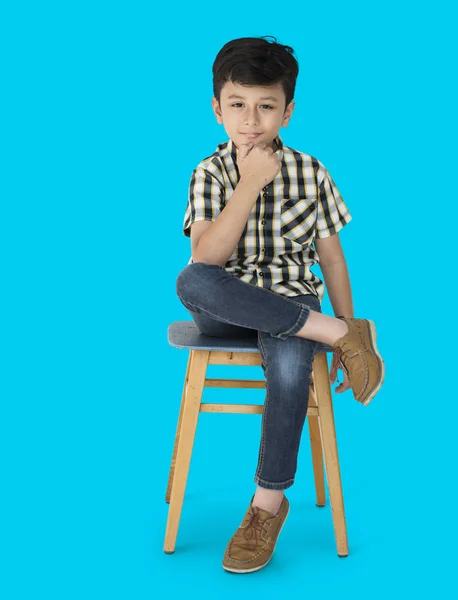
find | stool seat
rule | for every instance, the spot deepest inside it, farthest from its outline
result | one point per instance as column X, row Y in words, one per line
column 185, row 334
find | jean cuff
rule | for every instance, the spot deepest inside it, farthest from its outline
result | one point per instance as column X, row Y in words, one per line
column 301, row 321
column 273, row 486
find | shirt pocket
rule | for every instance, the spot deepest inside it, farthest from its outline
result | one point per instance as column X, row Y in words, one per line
column 298, row 220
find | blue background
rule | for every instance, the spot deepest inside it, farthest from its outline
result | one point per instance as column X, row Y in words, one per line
column 106, row 111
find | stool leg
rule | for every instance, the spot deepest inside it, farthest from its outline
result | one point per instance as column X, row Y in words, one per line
column 328, row 432
column 317, row 452
column 191, row 408
column 177, row 435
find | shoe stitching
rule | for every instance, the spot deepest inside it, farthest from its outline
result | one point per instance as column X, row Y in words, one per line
column 248, row 560
column 339, row 353
column 264, row 547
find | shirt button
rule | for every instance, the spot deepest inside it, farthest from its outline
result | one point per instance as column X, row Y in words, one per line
column 263, row 222
column 260, row 274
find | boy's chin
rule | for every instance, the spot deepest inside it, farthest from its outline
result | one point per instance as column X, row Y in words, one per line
column 239, row 143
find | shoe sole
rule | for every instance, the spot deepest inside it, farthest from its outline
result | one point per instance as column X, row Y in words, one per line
column 264, row 564
column 380, row 362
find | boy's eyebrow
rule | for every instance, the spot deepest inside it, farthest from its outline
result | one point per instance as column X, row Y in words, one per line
column 263, row 97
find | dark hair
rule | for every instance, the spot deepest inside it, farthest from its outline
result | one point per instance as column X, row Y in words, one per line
column 255, row 61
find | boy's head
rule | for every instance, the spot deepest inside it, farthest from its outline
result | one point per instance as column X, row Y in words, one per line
column 253, row 86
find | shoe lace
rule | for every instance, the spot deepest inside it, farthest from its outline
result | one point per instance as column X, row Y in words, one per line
column 254, row 527
column 337, row 355
column 336, row 358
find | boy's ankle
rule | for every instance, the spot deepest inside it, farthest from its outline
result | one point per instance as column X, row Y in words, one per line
column 341, row 330
column 269, row 500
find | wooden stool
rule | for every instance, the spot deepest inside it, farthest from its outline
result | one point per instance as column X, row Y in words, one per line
column 205, row 350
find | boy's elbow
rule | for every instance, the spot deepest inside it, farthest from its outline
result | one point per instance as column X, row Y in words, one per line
column 207, row 260
column 200, row 255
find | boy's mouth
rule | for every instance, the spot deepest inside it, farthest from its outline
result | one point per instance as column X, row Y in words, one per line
column 251, row 136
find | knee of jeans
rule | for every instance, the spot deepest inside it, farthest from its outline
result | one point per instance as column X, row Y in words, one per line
column 187, row 279
column 290, row 376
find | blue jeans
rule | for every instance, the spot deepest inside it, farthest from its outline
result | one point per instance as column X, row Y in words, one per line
column 223, row 305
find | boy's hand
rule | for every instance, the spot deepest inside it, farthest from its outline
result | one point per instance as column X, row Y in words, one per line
column 258, row 163
column 344, row 386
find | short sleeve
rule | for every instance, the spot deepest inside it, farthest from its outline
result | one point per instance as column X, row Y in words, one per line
column 333, row 213
column 205, row 199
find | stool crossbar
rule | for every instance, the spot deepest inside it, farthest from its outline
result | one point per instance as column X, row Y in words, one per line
column 205, row 350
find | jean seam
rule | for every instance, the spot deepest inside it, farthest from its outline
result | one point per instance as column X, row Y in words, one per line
column 266, row 403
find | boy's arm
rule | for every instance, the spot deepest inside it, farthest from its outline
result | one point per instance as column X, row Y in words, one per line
column 335, row 273
column 215, row 243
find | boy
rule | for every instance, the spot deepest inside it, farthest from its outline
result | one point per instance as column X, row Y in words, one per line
column 259, row 215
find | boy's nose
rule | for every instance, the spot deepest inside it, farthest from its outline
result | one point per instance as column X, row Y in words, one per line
column 251, row 118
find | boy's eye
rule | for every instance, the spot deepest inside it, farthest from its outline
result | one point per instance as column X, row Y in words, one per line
column 237, row 104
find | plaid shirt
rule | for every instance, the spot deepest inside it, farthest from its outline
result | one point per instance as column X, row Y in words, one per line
column 276, row 250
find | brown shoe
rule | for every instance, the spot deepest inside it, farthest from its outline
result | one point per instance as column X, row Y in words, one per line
column 357, row 354
column 252, row 545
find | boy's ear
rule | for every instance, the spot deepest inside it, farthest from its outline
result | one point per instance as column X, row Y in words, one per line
column 217, row 110
column 288, row 113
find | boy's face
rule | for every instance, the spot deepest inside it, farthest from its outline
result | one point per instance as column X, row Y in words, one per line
column 255, row 109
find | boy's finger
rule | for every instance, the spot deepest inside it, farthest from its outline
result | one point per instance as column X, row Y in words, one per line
column 244, row 149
